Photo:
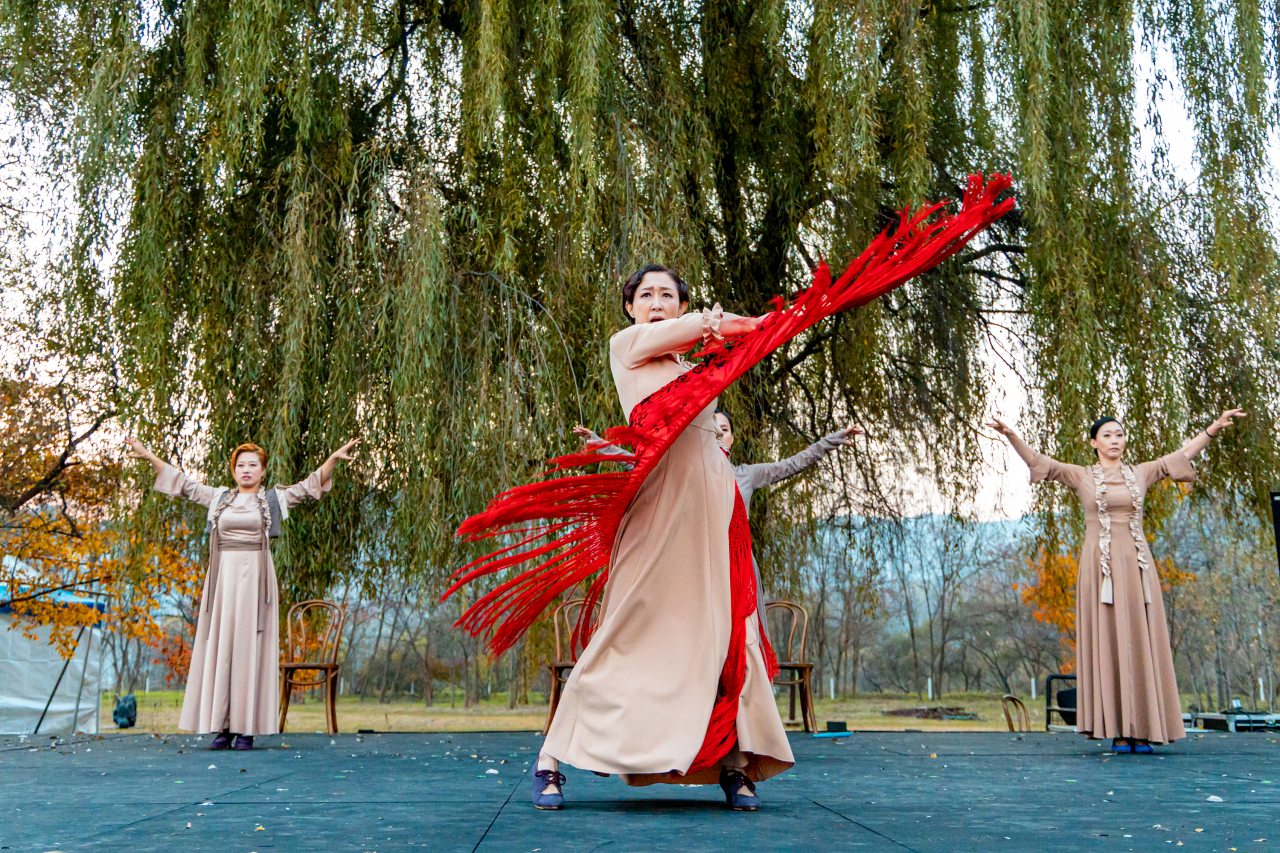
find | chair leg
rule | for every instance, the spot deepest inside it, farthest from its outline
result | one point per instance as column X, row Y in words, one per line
column 806, row 701
column 553, row 700
column 285, row 691
column 332, row 702
column 791, row 690
column 813, row 712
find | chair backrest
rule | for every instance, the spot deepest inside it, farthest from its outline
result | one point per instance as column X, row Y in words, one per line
column 314, row 628
column 794, row 618
column 1019, row 712
column 564, row 618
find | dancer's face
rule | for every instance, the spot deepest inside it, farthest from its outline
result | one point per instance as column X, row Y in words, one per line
column 656, row 299
column 248, row 471
column 726, row 432
column 1109, row 443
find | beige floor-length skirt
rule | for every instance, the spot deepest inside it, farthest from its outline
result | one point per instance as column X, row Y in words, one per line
column 234, row 678
column 640, row 697
column 1126, row 681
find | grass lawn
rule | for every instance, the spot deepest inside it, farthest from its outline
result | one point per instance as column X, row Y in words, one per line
column 158, row 713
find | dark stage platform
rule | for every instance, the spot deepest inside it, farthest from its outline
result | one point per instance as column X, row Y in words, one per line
column 870, row 791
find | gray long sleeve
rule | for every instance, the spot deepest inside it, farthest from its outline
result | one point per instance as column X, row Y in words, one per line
column 752, row 477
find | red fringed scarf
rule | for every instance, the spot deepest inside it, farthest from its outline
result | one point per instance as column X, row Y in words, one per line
column 722, row 729
column 576, row 518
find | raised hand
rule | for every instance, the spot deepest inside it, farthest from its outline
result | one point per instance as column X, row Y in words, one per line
column 138, row 450
column 846, row 434
column 1001, row 427
column 342, row 453
column 589, row 438
column 1226, row 419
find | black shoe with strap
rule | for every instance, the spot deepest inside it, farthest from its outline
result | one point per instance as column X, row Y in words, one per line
column 739, row 791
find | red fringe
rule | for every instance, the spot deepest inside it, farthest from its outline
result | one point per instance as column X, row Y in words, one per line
column 722, row 730
column 582, row 513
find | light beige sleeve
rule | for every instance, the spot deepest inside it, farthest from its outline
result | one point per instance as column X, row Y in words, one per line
column 171, row 481
column 310, row 489
column 1175, row 466
column 635, row 345
column 1047, row 468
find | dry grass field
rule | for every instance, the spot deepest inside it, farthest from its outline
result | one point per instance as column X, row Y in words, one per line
column 158, row 713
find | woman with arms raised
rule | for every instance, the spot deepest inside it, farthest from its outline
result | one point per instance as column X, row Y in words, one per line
column 233, row 683
column 639, row 701
column 1124, row 663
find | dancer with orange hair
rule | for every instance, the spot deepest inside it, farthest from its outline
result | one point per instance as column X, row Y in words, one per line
column 233, row 683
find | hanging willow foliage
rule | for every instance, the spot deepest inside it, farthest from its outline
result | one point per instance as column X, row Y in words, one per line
column 409, row 219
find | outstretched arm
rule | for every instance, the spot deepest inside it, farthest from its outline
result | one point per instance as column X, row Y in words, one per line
column 1200, row 440
column 138, row 450
column 1042, row 467
column 318, row 481
column 169, row 480
column 343, row 453
column 768, row 473
column 591, row 441
column 1020, row 447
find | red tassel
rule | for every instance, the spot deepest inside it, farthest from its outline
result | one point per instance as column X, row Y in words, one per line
column 722, row 730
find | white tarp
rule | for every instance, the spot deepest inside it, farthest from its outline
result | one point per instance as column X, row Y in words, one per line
column 29, row 670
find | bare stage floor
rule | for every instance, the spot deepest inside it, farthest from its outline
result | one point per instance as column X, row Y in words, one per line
column 875, row 791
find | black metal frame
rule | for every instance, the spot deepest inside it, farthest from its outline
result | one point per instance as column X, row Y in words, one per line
column 1050, row 695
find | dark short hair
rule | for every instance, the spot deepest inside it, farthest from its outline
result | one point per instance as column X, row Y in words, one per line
column 726, row 417
column 631, row 284
column 1099, row 424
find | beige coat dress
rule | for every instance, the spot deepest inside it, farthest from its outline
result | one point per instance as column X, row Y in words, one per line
column 640, row 697
column 233, row 682
column 1124, row 663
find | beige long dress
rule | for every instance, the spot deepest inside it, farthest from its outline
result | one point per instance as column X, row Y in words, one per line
column 1124, row 662
column 640, row 697
column 233, row 682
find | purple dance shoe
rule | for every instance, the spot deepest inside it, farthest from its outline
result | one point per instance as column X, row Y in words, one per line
column 543, row 779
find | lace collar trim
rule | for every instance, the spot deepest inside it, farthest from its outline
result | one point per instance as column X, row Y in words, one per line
column 1135, row 530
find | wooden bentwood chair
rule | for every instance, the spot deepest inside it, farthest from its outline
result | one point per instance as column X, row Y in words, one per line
column 1019, row 720
column 789, row 662
column 313, row 648
column 563, row 618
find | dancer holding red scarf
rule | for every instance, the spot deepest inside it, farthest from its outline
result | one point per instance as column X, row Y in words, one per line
column 673, row 684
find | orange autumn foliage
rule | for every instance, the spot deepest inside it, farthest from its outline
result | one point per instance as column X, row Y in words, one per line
column 137, row 581
column 63, row 528
column 1052, row 595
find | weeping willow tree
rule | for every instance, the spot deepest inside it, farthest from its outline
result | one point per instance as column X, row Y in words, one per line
column 409, row 219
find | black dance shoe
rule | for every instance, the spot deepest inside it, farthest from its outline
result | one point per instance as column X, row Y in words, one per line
column 739, row 791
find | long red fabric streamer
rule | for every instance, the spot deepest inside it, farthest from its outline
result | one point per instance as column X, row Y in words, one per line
column 567, row 524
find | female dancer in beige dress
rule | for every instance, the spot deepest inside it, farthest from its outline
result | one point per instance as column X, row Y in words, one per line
column 233, row 683
column 640, row 697
column 1124, row 663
